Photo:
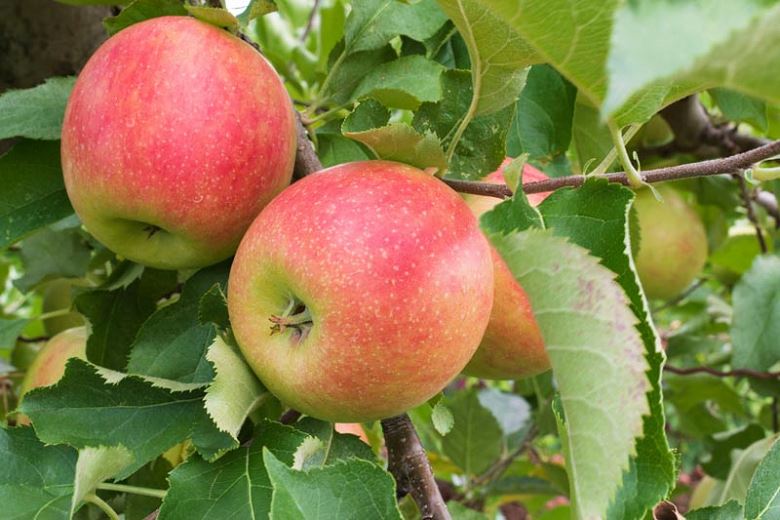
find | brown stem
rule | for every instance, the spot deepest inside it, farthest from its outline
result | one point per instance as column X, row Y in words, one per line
column 730, row 164
column 768, row 201
column 747, row 201
column 737, row 372
column 310, row 21
column 306, row 160
column 409, row 465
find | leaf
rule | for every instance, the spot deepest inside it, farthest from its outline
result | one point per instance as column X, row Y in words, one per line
column 256, row 9
column 482, row 147
column 511, row 411
column 395, row 141
column 141, row 10
column 237, row 485
column 763, row 495
column 595, row 216
column 331, row 446
column 37, row 112
column 36, row 481
column 94, row 466
column 721, row 445
column 172, row 343
column 731, row 510
column 474, row 442
column 87, row 410
column 403, row 83
column 347, row 71
column 355, row 489
column 335, row 149
column 499, row 56
column 115, row 317
column 591, row 137
column 756, row 321
column 33, row 194
column 213, row 15
column 714, row 44
column 743, row 466
column 212, row 308
column 442, row 418
column 741, row 108
column 596, row 355
column 373, row 23
column 10, row 331
column 542, row 126
column 235, row 390
column 53, row 254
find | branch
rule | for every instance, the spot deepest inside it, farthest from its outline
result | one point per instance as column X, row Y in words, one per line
column 310, row 21
column 751, row 213
column 737, row 372
column 409, row 465
column 306, row 160
column 730, row 164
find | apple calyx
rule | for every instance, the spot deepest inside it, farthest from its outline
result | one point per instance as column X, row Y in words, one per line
column 296, row 317
column 151, row 230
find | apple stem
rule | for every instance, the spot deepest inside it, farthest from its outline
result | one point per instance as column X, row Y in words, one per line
column 409, row 465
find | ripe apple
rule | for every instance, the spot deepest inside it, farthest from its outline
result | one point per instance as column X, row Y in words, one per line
column 355, row 429
column 56, row 296
column 176, row 135
column 361, row 291
column 49, row 365
column 512, row 346
column 672, row 245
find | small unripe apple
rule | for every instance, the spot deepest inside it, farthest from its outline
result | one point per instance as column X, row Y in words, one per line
column 672, row 244
column 361, row 291
column 49, row 365
column 512, row 346
column 176, row 135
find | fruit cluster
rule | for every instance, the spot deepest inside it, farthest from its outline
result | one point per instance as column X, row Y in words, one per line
column 355, row 294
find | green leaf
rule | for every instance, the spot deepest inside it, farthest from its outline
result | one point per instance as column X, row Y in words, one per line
column 763, row 496
column 36, row 481
column 172, row 343
column 237, row 485
column 96, row 465
column 499, row 56
column 731, row 510
column 511, row 411
column 355, row 489
column 596, row 355
column 86, row 406
column 214, row 16
column 235, row 391
column 10, row 330
column 33, row 193
column 373, row 23
column 331, row 446
column 333, row 148
column 256, row 9
column 741, row 108
column 347, row 71
column 141, row 10
column 368, row 124
column 115, row 317
column 403, row 83
column 474, row 442
column 542, row 126
column 595, row 216
column 756, row 321
column 212, row 307
column 720, row 446
column 37, row 112
column 743, row 466
column 482, row 146
column 591, row 137
column 442, row 418
column 53, row 254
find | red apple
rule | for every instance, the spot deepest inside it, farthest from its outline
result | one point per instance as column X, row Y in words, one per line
column 361, row 291
column 512, row 346
column 49, row 364
column 176, row 135
column 355, row 429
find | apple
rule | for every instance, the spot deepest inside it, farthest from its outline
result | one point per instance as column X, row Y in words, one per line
column 176, row 135
column 361, row 291
column 355, row 429
column 512, row 346
column 672, row 245
column 56, row 296
column 49, row 366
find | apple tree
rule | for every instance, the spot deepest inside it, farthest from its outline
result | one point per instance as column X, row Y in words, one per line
column 436, row 259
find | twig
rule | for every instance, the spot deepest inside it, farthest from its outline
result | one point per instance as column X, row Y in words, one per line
column 496, row 470
column 747, row 201
column 677, row 299
column 737, row 372
column 768, row 201
column 310, row 21
column 409, row 465
column 306, row 160
column 730, row 164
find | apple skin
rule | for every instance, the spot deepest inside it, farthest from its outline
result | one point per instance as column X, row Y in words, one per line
column 672, row 246
column 355, row 429
column 512, row 346
column 175, row 137
column 395, row 273
column 49, row 365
